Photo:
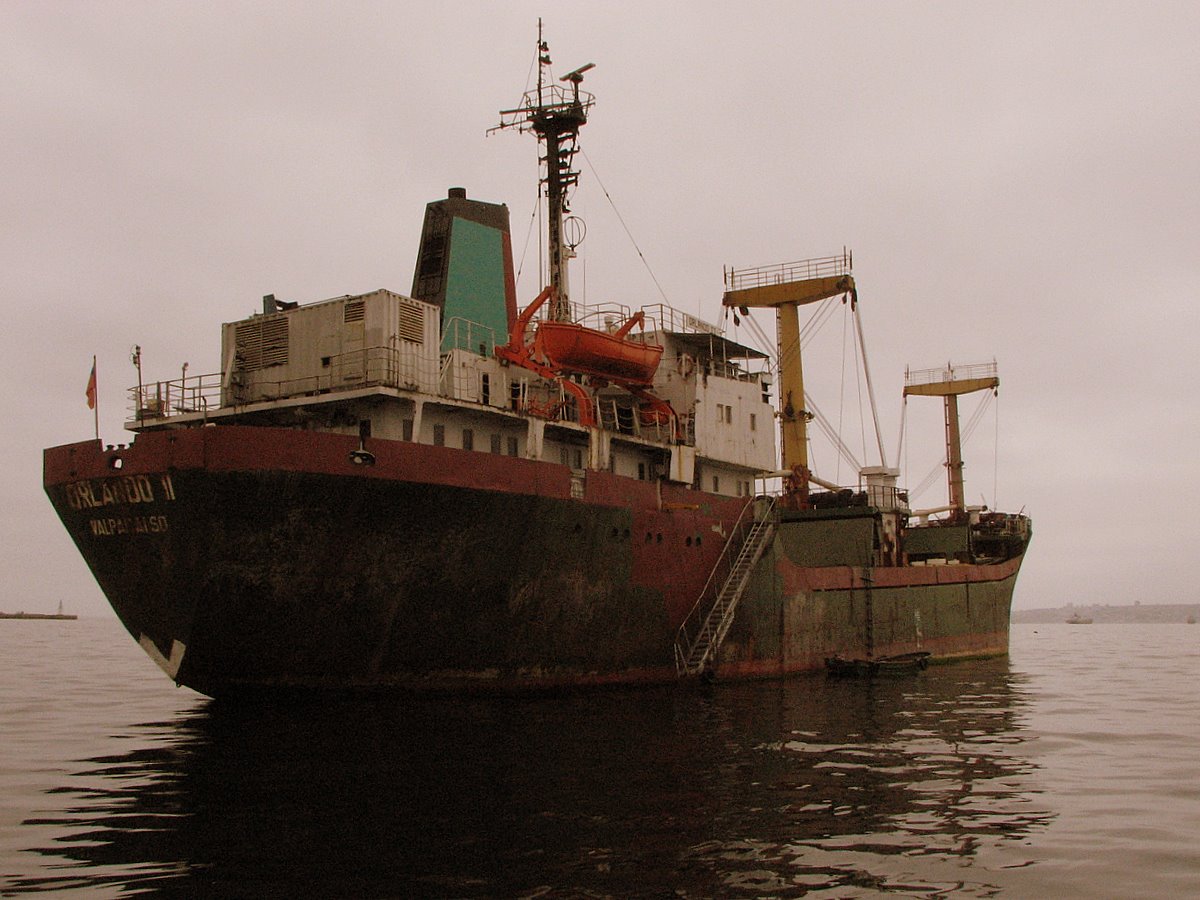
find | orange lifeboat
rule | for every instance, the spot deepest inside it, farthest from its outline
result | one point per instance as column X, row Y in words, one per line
column 574, row 348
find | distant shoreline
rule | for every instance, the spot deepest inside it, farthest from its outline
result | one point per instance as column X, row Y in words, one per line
column 1103, row 614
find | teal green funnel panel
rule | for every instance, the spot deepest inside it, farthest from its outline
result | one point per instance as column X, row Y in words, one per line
column 464, row 268
column 474, row 315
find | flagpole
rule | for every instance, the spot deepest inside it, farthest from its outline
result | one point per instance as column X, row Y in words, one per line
column 96, row 405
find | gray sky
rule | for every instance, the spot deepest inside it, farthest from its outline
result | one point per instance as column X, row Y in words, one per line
column 1017, row 181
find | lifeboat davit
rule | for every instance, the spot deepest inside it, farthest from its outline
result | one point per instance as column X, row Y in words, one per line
column 571, row 347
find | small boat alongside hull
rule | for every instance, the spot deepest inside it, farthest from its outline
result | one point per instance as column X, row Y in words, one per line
column 903, row 663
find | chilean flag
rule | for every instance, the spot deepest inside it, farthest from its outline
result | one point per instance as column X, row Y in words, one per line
column 91, row 387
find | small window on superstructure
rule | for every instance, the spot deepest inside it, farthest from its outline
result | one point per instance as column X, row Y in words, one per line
column 512, row 446
column 468, row 442
column 577, row 461
column 406, row 429
column 753, row 422
column 485, row 387
column 496, row 444
column 728, row 415
column 562, row 455
column 439, row 435
column 641, row 471
column 716, row 485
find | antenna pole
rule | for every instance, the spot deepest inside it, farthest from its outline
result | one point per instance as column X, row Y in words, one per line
column 95, row 403
column 555, row 114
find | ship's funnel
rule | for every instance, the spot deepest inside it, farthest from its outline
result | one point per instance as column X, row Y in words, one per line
column 465, row 268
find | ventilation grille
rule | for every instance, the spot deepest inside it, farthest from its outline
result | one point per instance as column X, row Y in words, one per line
column 354, row 311
column 263, row 342
column 411, row 326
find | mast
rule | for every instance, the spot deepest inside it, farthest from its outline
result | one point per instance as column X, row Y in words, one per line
column 555, row 114
column 787, row 287
column 950, row 383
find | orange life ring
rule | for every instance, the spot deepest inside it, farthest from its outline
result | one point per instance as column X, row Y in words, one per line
column 686, row 365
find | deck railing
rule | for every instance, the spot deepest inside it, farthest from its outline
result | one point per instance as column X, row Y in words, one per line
column 949, row 373
column 369, row 367
column 786, row 273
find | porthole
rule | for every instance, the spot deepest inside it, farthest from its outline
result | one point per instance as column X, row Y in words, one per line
column 115, row 462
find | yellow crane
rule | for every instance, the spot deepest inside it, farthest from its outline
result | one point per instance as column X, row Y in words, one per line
column 951, row 383
column 786, row 287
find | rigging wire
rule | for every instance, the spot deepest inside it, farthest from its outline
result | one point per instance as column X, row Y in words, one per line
column 830, row 432
column 621, row 219
column 842, row 393
column 972, row 425
column 996, row 458
column 866, row 371
column 859, row 364
column 533, row 217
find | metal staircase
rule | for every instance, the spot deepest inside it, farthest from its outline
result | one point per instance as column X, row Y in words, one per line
column 694, row 654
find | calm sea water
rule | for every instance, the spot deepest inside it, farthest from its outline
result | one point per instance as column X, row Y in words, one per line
column 1068, row 770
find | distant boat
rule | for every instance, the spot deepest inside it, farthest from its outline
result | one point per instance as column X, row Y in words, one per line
column 26, row 615
column 1077, row 619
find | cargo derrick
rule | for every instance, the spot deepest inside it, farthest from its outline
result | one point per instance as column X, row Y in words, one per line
column 786, row 288
column 950, row 383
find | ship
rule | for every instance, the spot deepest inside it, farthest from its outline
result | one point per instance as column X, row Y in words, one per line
column 444, row 490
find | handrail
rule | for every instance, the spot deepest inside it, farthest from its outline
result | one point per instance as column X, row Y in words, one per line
column 723, row 565
column 949, row 373
column 786, row 273
column 465, row 334
column 371, row 366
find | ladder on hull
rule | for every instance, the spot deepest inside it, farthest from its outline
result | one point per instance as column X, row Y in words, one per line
column 696, row 655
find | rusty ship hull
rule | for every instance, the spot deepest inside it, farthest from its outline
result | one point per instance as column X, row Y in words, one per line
column 248, row 558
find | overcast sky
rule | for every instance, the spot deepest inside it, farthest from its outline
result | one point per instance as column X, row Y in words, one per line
column 1018, row 182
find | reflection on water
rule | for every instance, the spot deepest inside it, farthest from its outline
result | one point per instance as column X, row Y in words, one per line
column 917, row 785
